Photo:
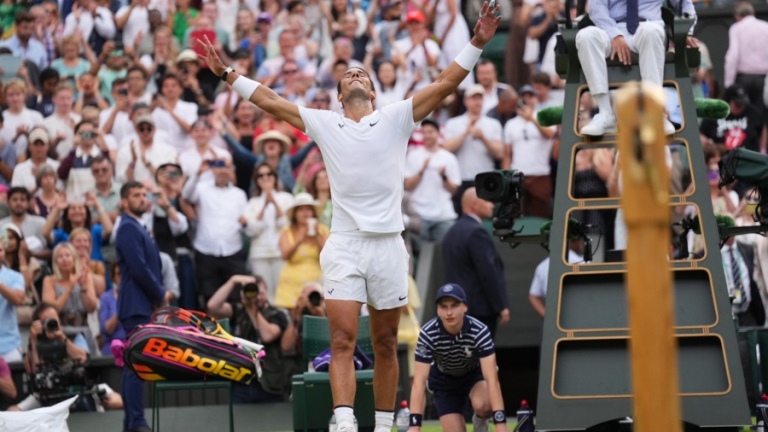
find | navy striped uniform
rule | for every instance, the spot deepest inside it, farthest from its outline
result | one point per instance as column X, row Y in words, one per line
column 455, row 361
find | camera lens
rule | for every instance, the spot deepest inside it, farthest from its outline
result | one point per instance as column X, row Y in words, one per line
column 491, row 185
column 50, row 324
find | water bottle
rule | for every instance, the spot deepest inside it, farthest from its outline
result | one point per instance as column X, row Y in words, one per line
column 761, row 413
column 525, row 418
column 403, row 417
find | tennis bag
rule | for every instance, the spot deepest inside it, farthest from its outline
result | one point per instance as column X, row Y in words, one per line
column 158, row 352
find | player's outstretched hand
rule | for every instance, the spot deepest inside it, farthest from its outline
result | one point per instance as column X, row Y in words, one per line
column 487, row 23
column 211, row 58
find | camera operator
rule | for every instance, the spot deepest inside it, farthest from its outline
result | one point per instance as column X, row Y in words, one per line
column 256, row 320
column 310, row 302
column 46, row 330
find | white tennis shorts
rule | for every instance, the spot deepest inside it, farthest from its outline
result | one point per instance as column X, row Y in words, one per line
column 367, row 268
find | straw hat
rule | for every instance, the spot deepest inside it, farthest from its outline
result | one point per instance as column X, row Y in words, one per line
column 301, row 199
column 272, row 135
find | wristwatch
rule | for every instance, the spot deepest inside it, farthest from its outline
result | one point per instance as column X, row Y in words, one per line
column 226, row 72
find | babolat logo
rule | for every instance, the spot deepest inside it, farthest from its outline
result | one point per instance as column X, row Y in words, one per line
column 160, row 348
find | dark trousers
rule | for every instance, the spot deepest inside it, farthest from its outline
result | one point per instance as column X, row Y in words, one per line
column 186, row 273
column 213, row 271
column 133, row 387
column 753, row 86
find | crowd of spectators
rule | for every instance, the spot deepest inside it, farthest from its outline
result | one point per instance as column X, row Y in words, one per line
column 96, row 93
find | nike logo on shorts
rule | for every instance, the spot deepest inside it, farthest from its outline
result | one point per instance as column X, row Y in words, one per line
column 402, row 298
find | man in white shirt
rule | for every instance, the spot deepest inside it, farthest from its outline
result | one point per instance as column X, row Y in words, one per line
column 528, row 149
column 140, row 158
column 475, row 139
column 116, row 120
column 24, row 174
column 420, row 52
column 220, row 206
column 190, row 159
column 173, row 115
column 87, row 16
column 61, row 123
column 537, row 294
column 364, row 260
column 432, row 175
column 488, row 78
column 133, row 20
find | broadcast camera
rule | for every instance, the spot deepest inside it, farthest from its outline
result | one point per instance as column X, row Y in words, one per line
column 505, row 189
column 57, row 377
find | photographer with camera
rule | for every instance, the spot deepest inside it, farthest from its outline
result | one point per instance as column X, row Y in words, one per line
column 56, row 363
column 254, row 319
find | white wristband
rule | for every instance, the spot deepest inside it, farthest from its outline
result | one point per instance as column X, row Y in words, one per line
column 468, row 57
column 245, row 87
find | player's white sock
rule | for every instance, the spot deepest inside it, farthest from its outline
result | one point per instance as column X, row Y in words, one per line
column 344, row 414
column 604, row 103
column 384, row 421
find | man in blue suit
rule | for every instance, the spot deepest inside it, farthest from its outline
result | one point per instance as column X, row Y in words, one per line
column 470, row 259
column 141, row 290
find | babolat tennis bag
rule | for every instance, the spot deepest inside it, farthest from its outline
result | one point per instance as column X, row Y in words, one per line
column 184, row 345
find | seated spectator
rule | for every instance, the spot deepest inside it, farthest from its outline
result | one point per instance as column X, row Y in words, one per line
column 70, row 65
column 202, row 134
column 75, row 167
column 22, row 44
column 254, row 319
column 420, row 52
column 31, row 226
column 43, row 102
column 149, row 149
column 18, row 120
column 320, row 189
column 70, row 288
column 266, row 216
column 61, row 124
column 67, row 216
column 11, row 295
column 137, row 85
column 92, row 21
column 89, row 93
column 106, row 190
column 25, row 173
column 109, row 323
column 743, row 127
column 392, row 82
column 7, row 387
column 77, row 351
column 17, row 258
column 271, row 147
column 81, row 240
column 172, row 114
column 194, row 90
column 432, row 175
column 300, row 245
column 47, row 195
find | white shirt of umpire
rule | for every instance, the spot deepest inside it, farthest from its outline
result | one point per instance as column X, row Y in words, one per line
column 365, row 163
column 430, row 199
column 541, row 275
column 473, row 156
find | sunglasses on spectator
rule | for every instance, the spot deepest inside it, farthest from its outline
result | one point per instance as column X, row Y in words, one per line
column 146, row 128
column 262, row 175
column 87, row 135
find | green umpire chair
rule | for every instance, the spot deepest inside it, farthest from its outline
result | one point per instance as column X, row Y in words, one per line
column 160, row 387
column 311, row 391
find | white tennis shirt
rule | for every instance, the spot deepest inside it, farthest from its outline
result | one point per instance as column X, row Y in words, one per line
column 365, row 163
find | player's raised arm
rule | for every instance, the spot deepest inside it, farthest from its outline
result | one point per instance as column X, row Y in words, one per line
column 260, row 95
column 428, row 98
